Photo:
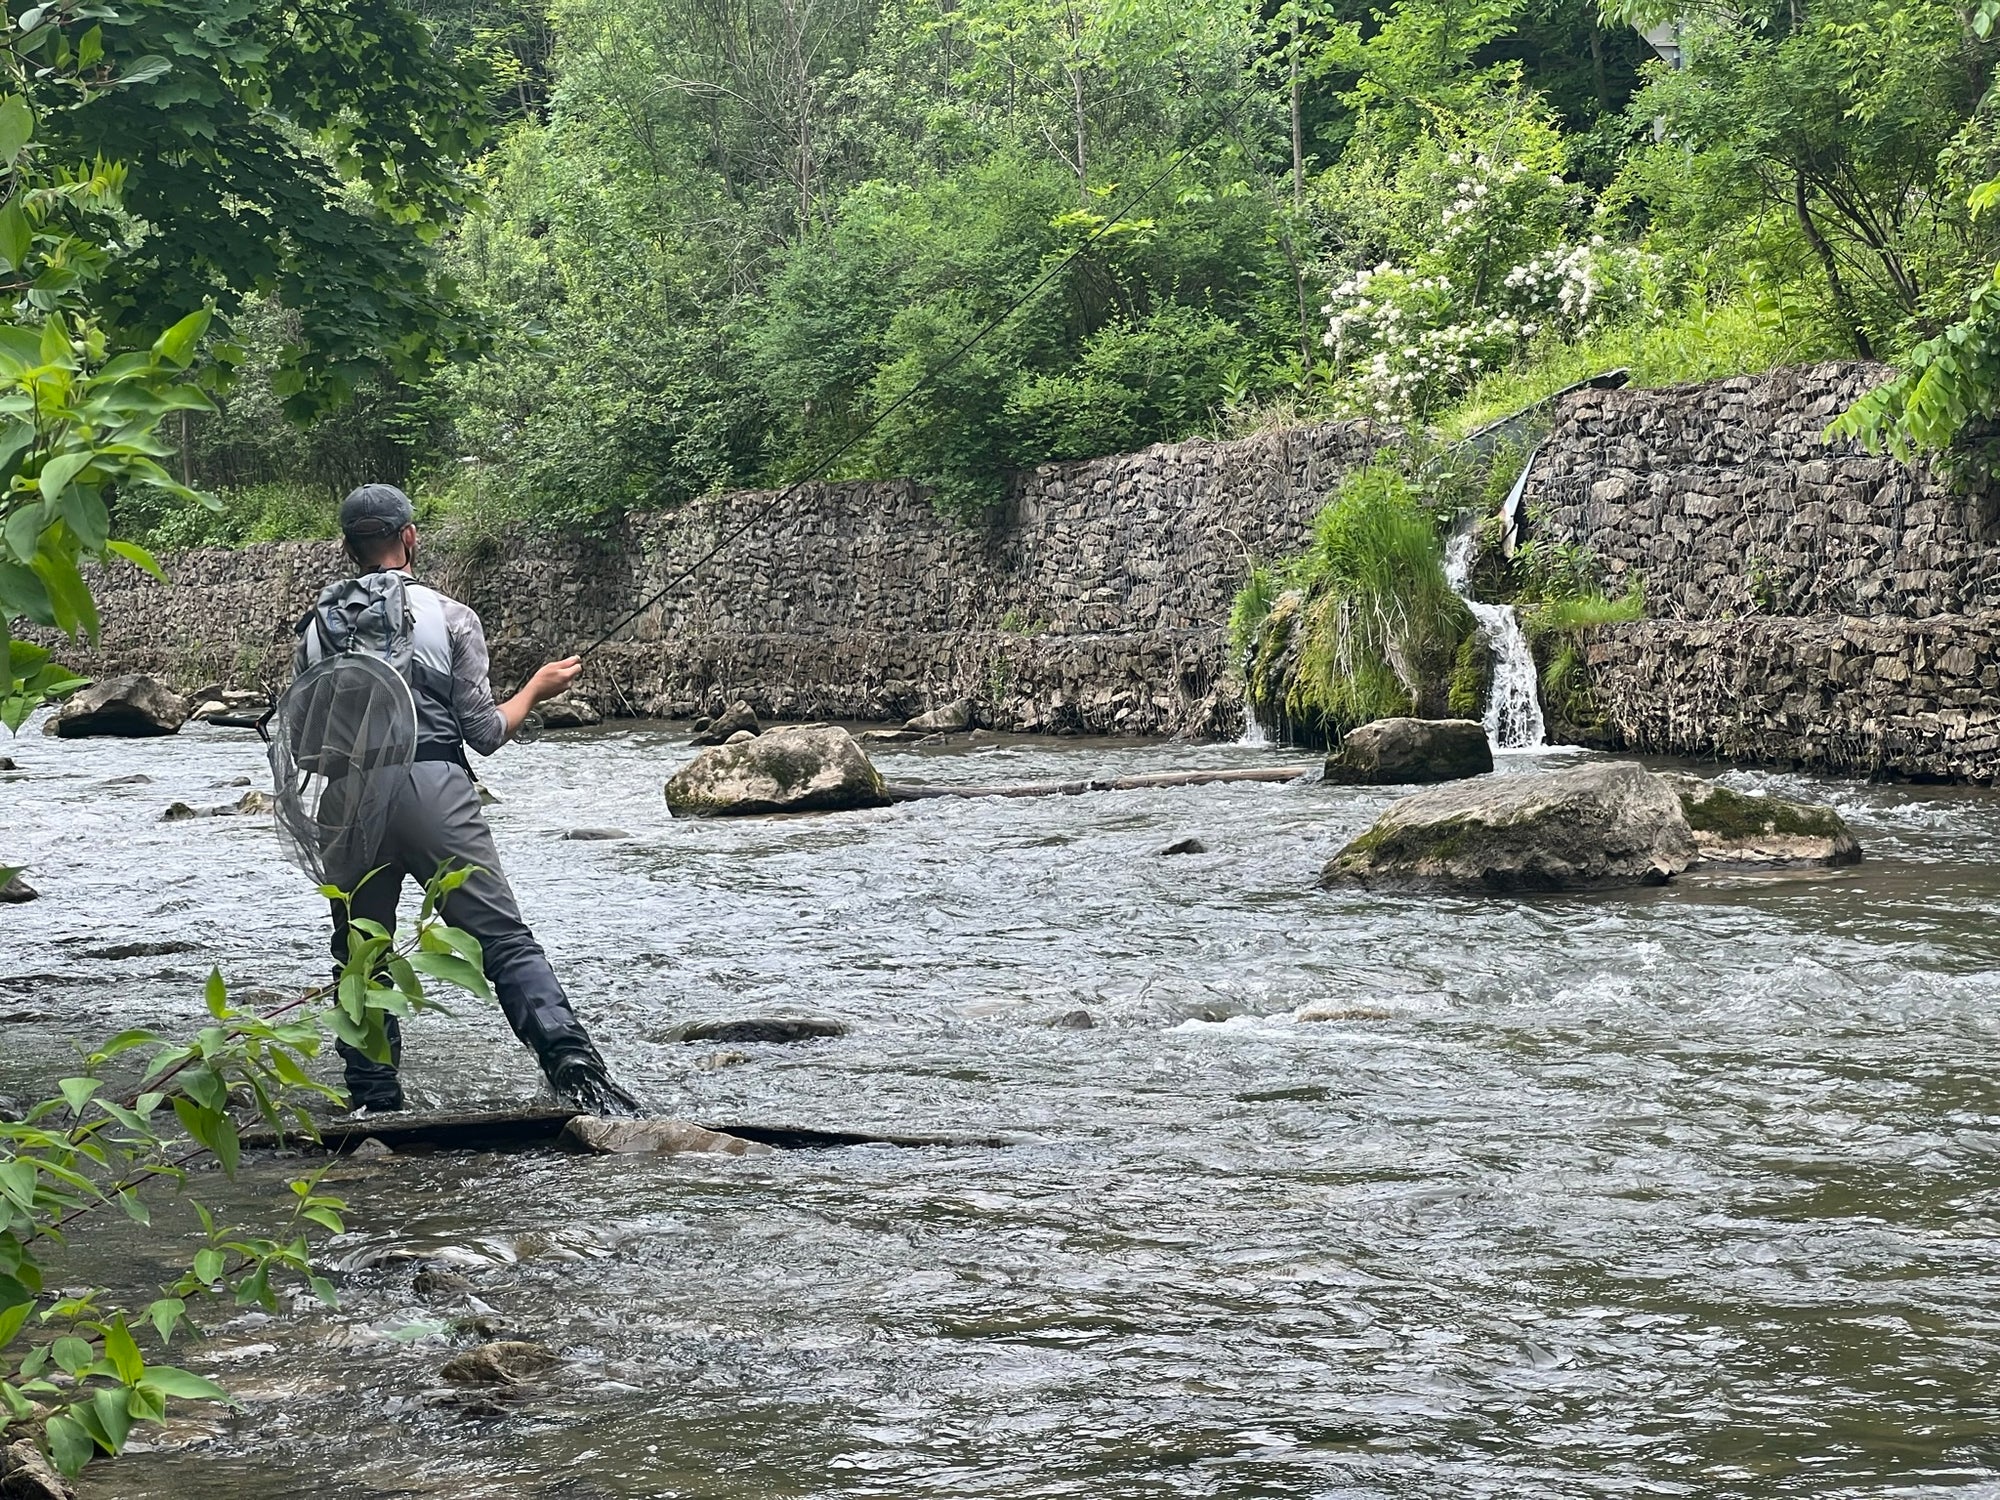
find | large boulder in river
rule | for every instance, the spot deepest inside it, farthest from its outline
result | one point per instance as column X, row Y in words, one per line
column 1593, row 827
column 802, row 768
column 1750, row 828
column 1398, row 752
column 132, row 706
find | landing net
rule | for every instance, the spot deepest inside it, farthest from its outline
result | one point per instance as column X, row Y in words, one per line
column 342, row 738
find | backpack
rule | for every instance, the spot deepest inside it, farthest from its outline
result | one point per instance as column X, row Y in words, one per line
column 346, row 727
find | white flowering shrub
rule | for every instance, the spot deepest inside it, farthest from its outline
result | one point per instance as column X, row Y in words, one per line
column 1486, row 256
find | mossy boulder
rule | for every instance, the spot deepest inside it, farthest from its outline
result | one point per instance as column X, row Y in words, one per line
column 1588, row 828
column 1398, row 752
column 1751, row 828
column 803, row 768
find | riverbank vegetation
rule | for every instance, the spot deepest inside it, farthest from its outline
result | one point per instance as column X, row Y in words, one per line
column 715, row 244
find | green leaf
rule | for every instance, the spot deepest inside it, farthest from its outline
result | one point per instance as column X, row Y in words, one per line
column 176, row 346
column 11, row 1319
column 209, row 1264
column 84, row 509
column 72, row 1354
column 17, row 126
column 453, row 970
column 216, row 993
column 16, row 238
column 18, row 1180
column 135, row 1207
column 139, row 557
column 59, row 471
column 165, row 1316
column 181, row 1384
column 70, row 1447
column 76, row 1092
column 145, row 69
column 22, row 593
column 122, row 1351
column 13, row 1294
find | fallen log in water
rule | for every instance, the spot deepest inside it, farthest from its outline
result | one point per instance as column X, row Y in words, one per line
column 912, row 791
column 542, row 1126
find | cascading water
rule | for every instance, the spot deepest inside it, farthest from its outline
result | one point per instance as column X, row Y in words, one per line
column 1513, row 704
column 1253, row 737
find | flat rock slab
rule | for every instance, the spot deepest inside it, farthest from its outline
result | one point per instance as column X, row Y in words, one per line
column 1398, row 752
column 544, row 1128
column 602, row 1137
column 1591, row 828
column 1759, row 829
column 780, row 1029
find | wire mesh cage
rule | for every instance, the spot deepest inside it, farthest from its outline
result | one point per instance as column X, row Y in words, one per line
column 342, row 737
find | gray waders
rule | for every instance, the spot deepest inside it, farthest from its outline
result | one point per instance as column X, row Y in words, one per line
column 432, row 817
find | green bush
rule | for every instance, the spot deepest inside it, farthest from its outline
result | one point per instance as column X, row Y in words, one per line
column 1372, row 629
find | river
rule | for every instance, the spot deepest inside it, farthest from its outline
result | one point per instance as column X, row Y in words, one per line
column 1678, row 1192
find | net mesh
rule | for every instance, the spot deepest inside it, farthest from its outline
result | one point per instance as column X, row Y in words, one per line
column 341, row 737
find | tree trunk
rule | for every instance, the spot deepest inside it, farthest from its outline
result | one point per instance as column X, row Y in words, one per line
column 1843, row 305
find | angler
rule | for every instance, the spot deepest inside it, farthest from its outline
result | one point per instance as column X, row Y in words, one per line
column 390, row 687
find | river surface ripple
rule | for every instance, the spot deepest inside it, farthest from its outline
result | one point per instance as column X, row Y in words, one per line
column 1678, row 1192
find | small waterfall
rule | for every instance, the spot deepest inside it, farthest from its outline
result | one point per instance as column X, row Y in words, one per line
column 1514, row 703
column 1253, row 737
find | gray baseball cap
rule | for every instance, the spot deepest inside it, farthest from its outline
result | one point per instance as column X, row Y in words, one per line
column 375, row 510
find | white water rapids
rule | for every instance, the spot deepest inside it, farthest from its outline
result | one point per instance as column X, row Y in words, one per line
column 1513, row 704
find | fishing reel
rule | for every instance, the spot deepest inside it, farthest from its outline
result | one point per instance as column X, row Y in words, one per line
column 531, row 728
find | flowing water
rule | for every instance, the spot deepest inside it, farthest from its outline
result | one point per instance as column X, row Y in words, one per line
column 1513, row 701
column 1689, row 1191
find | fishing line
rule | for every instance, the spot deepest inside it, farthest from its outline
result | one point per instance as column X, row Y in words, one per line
column 930, row 377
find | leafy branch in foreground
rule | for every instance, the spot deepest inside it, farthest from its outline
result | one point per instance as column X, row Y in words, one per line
column 72, row 1370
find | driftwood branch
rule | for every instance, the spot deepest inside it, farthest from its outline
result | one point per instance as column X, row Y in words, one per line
column 909, row 791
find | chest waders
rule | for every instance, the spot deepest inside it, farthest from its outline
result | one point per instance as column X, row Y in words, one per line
column 373, row 786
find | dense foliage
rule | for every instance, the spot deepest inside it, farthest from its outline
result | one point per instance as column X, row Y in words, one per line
column 719, row 239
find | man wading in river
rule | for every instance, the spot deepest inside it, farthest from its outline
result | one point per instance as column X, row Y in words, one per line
column 421, row 809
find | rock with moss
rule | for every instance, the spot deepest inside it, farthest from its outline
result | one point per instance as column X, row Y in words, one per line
column 1589, row 828
column 1404, row 752
column 1751, row 828
column 803, row 768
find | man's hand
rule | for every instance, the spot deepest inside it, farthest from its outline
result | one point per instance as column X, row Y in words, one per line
column 554, row 679
column 551, row 680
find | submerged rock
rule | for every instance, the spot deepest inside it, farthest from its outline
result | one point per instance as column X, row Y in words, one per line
column 738, row 718
column 250, row 804
column 1186, row 846
column 7, row 763
column 805, row 768
column 760, row 1029
column 133, row 706
column 595, row 835
column 1593, row 827
column 954, row 717
column 15, row 889
column 569, row 713
column 1073, row 1020
column 603, row 1137
column 1751, row 828
column 507, row 1362
column 890, row 736
column 1395, row 752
